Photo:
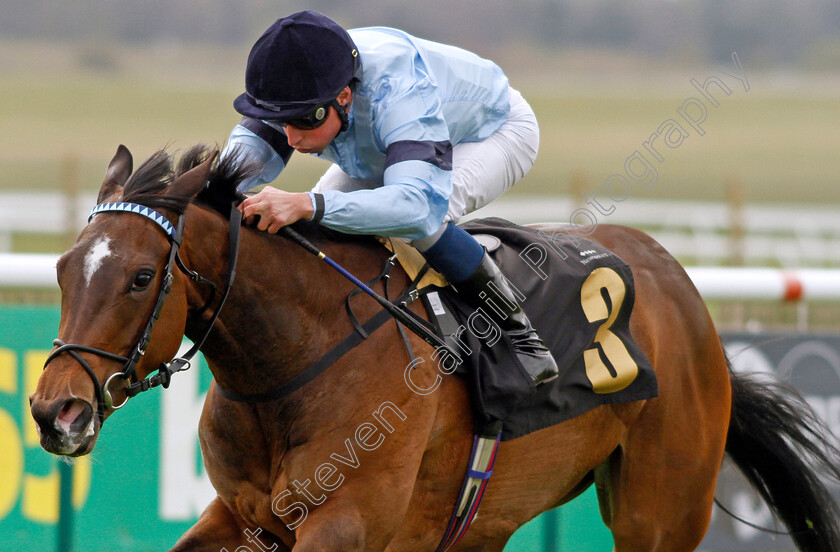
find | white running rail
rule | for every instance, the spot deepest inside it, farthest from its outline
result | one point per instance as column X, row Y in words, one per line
column 714, row 283
column 696, row 232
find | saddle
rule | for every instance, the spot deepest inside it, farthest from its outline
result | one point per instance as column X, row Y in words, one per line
column 579, row 297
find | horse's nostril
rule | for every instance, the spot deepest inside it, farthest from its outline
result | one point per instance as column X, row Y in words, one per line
column 74, row 416
column 43, row 413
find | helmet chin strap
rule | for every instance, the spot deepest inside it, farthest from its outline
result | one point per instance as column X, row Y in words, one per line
column 342, row 114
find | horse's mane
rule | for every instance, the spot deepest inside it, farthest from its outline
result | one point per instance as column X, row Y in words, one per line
column 147, row 184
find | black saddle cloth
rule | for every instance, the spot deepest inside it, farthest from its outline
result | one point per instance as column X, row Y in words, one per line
column 572, row 293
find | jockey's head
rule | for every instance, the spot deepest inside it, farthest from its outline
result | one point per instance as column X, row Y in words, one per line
column 298, row 72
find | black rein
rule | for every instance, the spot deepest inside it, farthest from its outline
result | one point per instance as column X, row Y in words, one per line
column 163, row 377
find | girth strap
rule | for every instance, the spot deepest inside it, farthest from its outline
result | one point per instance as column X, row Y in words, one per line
column 479, row 470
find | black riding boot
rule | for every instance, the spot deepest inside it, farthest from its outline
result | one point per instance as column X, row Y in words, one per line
column 487, row 284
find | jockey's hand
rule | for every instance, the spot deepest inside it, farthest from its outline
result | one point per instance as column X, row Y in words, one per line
column 276, row 208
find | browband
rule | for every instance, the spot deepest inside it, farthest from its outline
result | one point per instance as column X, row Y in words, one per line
column 150, row 214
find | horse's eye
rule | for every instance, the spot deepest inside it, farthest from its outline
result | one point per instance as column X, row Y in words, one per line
column 142, row 280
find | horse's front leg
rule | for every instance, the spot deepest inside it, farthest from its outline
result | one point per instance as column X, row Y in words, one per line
column 217, row 530
column 333, row 530
column 363, row 515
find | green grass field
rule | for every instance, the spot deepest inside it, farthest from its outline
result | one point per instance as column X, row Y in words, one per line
column 780, row 142
column 779, row 148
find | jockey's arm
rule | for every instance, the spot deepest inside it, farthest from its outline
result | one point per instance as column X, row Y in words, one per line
column 417, row 179
column 417, row 182
column 411, row 203
column 261, row 144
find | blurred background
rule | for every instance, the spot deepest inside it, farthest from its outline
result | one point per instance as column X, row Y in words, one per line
column 607, row 79
column 714, row 125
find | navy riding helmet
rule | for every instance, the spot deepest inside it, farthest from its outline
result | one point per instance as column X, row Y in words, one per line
column 296, row 70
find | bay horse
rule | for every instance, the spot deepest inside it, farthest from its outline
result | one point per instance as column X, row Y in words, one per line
column 355, row 460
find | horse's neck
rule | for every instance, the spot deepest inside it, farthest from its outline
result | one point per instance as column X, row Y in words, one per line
column 284, row 307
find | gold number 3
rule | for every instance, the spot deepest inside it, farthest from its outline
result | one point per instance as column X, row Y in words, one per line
column 624, row 368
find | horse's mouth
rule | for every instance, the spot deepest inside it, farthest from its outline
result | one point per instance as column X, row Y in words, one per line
column 63, row 446
column 74, row 431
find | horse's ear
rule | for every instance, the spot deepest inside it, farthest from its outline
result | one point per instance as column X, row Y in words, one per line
column 189, row 184
column 118, row 172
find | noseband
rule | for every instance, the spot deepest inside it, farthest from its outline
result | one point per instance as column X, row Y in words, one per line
column 128, row 373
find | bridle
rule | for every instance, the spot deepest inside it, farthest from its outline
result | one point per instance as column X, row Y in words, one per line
column 128, row 373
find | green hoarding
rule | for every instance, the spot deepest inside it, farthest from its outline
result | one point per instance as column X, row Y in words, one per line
column 120, row 502
column 144, row 484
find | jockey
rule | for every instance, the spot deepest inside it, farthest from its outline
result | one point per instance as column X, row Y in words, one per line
column 419, row 134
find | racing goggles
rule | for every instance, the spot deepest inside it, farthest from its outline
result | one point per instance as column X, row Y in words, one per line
column 313, row 118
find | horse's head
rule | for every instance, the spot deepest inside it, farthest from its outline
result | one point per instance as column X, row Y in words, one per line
column 110, row 283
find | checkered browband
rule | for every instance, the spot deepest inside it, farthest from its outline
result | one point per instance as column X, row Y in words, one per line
column 150, row 214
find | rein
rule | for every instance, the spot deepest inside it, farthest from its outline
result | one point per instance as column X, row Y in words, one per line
column 359, row 334
column 484, row 448
column 396, row 310
column 402, row 316
column 128, row 373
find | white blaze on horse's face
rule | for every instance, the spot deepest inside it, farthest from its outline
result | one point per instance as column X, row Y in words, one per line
column 98, row 253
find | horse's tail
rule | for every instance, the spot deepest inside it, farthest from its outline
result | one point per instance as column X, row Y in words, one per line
column 783, row 449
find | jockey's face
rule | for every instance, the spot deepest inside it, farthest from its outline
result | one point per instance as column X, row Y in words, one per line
column 317, row 139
